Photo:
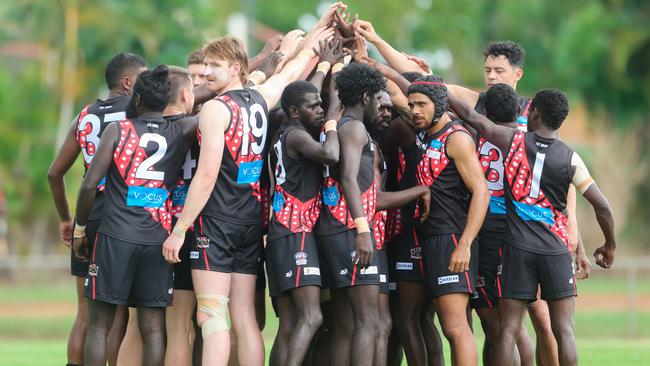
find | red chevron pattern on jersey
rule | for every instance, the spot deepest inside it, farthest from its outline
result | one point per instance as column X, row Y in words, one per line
column 379, row 228
column 295, row 215
column 340, row 211
column 234, row 137
column 394, row 223
column 519, row 176
column 435, row 160
column 127, row 157
column 490, row 157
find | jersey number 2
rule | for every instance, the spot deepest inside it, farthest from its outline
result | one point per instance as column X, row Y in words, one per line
column 143, row 171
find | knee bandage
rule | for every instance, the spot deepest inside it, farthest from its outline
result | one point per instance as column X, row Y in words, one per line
column 216, row 307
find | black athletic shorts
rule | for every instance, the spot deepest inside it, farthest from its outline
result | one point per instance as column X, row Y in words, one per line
column 336, row 253
column 437, row 250
column 260, row 282
column 391, row 255
column 77, row 267
column 522, row 271
column 382, row 261
column 124, row 273
column 224, row 247
column 292, row 262
column 183, row 270
column 409, row 265
column 489, row 259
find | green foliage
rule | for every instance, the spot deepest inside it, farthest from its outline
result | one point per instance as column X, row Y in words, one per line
column 597, row 51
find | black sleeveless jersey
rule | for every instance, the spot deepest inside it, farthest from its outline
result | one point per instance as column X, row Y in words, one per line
column 491, row 159
column 91, row 123
column 449, row 196
column 236, row 197
column 335, row 217
column 296, row 201
column 380, row 220
column 538, row 174
column 186, row 173
column 146, row 161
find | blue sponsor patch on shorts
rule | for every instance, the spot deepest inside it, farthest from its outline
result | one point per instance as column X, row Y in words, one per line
column 534, row 213
column 179, row 194
column 497, row 205
column 278, row 201
column 249, row 172
column 330, row 196
column 146, row 197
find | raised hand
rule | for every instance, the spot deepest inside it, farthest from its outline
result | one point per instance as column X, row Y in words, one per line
column 313, row 38
column 290, row 43
column 366, row 30
column 270, row 63
column 329, row 16
column 331, row 51
column 272, row 44
column 420, row 62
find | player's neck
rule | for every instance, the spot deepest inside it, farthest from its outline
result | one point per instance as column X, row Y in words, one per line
column 547, row 133
column 174, row 110
column 355, row 111
column 112, row 93
column 235, row 84
column 439, row 126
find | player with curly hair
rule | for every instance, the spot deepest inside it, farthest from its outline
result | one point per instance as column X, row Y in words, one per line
column 344, row 232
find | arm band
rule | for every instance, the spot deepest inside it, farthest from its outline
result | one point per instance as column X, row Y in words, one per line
column 79, row 231
column 323, row 67
column 362, row 225
column 180, row 229
column 330, row 126
column 581, row 178
column 257, row 77
column 337, row 67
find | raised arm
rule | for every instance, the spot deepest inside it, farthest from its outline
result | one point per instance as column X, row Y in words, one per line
column 299, row 142
column 271, row 45
column 461, row 148
column 272, row 89
column 353, row 137
column 395, row 59
column 500, row 136
column 213, row 121
column 64, row 159
column 97, row 170
column 330, row 53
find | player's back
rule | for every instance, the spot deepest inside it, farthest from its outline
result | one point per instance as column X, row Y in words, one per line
column 236, row 197
column 538, row 174
column 91, row 123
column 146, row 161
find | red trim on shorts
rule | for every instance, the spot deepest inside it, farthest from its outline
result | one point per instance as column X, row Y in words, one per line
column 499, row 276
column 205, row 259
column 486, row 298
column 201, row 224
column 354, row 275
column 453, row 237
column 417, row 244
column 94, row 252
column 302, row 247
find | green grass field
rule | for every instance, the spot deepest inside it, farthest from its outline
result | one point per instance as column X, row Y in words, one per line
column 603, row 336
